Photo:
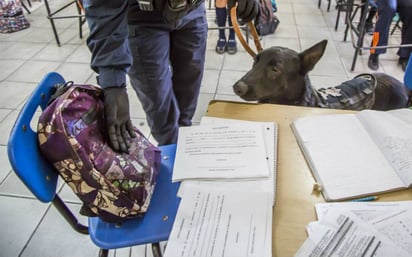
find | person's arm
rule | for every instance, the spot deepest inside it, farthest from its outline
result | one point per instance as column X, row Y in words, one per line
column 246, row 9
column 107, row 40
column 111, row 59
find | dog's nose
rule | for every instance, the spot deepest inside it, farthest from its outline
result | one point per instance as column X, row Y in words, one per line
column 240, row 88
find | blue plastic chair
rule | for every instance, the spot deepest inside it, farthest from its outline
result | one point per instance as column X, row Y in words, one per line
column 41, row 178
column 407, row 77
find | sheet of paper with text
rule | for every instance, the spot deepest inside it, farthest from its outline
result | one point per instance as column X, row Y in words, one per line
column 220, row 151
column 220, row 223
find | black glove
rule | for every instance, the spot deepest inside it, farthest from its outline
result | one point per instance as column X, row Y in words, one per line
column 119, row 125
column 245, row 10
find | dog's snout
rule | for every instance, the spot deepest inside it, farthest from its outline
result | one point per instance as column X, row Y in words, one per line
column 240, row 88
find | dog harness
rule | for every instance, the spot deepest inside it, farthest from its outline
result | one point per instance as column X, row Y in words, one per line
column 355, row 94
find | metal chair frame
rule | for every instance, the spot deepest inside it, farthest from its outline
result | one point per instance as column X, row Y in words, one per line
column 54, row 15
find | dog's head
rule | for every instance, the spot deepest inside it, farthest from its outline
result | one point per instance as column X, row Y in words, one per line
column 278, row 75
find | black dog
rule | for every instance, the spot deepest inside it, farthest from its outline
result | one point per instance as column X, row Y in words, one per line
column 280, row 76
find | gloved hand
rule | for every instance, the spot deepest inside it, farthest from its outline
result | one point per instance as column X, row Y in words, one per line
column 245, row 10
column 119, row 125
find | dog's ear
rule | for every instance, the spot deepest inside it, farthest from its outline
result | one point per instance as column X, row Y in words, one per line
column 311, row 56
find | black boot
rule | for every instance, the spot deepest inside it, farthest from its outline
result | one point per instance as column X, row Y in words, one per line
column 373, row 62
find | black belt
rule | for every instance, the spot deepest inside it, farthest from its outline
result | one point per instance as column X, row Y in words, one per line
column 175, row 5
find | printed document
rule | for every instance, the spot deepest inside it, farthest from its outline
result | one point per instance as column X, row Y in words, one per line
column 360, row 229
column 223, row 151
column 344, row 235
column 265, row 184
column 218, row 223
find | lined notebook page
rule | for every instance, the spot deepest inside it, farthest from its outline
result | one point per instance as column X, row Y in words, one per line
column 343, row 157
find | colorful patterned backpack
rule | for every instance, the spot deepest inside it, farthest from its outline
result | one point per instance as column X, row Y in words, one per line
column 71, row 133
column 12, row 18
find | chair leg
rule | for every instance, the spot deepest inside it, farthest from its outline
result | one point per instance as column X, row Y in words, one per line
column 69, row 216
column 56, row 36
column 103, row 253
column 349, row 16
column 80, row 10
column 361, row 35
column 396, row 26
column 337, row 18
column 156, row 250
column 25, row 7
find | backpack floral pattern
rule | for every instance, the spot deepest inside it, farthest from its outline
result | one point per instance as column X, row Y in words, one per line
column 115, row 186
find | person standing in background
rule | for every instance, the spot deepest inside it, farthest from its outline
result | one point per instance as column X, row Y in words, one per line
column 223, row 14
column 386, row 11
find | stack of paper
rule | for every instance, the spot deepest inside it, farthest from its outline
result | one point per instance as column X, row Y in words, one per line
column 221, row 223
column 250, row 182
column 224, row 151
column 360, row 229
column 227, row 170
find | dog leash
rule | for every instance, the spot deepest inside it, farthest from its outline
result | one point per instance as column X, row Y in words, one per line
column 239, row 34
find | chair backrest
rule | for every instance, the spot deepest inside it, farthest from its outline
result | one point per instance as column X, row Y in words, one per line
column 24, row 156
column 407, row 77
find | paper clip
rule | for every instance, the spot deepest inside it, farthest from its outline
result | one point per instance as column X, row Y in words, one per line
column 317, row 187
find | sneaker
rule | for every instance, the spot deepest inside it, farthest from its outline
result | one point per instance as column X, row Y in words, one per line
column 403, row 62
column 221, row 46
column 231, row 46
column 373, row 61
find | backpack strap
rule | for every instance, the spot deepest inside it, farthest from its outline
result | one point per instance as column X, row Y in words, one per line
column 59, row 89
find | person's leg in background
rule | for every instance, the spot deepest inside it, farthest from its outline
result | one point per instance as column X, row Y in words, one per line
column 369, row 28
column 405, row 11
column 231, row 43
column 221, row 14
column 386, row 12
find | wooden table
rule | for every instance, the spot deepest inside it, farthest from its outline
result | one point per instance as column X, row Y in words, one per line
column 295, row 201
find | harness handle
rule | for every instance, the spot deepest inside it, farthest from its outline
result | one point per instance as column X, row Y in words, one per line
column 239, row 34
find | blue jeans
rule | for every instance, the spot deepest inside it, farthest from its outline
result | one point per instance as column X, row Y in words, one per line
column 386, row 11
column 167, row 71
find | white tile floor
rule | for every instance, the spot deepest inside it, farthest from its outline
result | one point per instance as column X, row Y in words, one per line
column 31, row 228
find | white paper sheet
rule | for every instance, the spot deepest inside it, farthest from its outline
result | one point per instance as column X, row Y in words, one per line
column 220, row 151
column 266, row 184
column 343, row 234
column 218, row 223
column 387, row 223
